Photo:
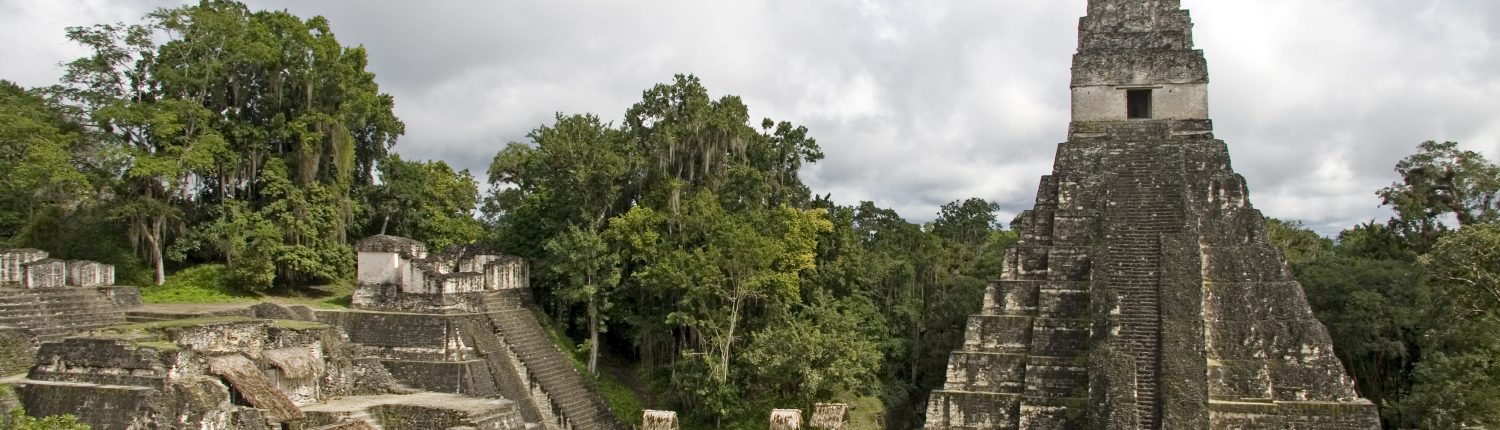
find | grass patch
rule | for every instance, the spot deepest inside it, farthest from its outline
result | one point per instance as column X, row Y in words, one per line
column 620, row 399
column 333, row 296
column 197, row 285
column 208, row 284
column 867, row 412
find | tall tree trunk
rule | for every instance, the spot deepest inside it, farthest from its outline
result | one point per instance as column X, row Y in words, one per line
column 154, row 237
column 734, row 318
column 593, row 335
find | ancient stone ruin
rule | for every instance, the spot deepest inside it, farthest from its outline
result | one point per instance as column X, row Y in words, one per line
column 829, row 416
column 237, row 373
column 44, row 299
column 459, row 321
column 786, row 419
column 1144, row 293
column 443, row 340
column 659, row 420
column 398, row 274
column 32, row 269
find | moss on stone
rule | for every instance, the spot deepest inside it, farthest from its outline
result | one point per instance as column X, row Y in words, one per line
column 156, row 326
column 159, row 345
column 299, row 325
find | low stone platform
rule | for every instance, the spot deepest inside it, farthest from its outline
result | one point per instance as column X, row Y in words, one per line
column 30, row 317
column 168, row 312
column 53, row 313
column 419, row 411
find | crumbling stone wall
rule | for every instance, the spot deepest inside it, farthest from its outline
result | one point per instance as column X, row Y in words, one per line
column 659, row 420
column 829, row 416
column 214, row 373
column 31, row 268
column 51, row 313
column 17, row 350
column 399, row 274
column 786, row 419
column 45, row 273
column 12, row 273
column 84, row 273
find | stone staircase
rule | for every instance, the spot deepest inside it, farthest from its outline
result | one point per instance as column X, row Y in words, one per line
column 576, row 404
column 502, row 363
column 54, row 313
column 1145, row 201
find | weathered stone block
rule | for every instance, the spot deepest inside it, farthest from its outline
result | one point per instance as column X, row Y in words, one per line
column 12, row 261
column 1057, row 377
column 1238, row 339
column 1249, row 263
column 1256, row 301
column 84, row 273
column 17, row 350
column 998, row 333
column 458, row 377
column 1238, row 380
column 45, row 273
column 1068, row 264
column 1053, row 414
column 1074, row 228
column 1012, row 297
column 987, row 372
column 1052, row 337
column 1065, row 303
column 965, row 410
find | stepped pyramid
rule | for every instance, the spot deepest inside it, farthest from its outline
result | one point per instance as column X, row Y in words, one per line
column 1144, row 293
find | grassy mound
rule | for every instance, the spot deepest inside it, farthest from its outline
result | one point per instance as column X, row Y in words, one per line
column 197, row 285
column 209, row 284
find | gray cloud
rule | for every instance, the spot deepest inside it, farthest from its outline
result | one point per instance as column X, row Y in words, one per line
column 916, row 103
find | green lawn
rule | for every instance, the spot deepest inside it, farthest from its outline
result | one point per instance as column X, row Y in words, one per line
column 206, row 284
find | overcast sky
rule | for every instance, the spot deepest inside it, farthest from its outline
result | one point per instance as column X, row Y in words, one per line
column 915, row 102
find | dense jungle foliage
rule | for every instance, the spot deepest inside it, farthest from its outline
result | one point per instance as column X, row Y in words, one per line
column 1413, row 304
column 677, row 246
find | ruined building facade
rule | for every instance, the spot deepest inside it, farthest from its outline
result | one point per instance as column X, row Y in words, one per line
column 1144, row 292
column 432, row 340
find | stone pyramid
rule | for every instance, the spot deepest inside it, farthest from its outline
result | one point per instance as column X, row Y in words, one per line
column 1144, row 293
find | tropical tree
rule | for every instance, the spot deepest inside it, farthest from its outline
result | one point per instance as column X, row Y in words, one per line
column 1457, row 382
column 426, row 201
column 216, row 111
column 36, row 151
column 1442, row 180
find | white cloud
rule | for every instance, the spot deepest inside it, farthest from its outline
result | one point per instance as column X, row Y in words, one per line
column 916, row 103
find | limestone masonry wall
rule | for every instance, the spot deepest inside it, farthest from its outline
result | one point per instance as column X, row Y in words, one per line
column 31, row 268
column 398, row 274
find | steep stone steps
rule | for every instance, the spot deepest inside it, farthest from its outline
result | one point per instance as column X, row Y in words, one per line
column 54, row 313
column 546, row 366
column 502, row 367
column 1145, row 202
